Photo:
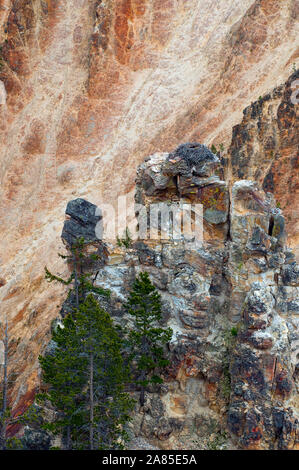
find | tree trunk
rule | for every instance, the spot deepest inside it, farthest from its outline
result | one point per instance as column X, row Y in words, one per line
column 76, row 282
column 143, row 373
column 142, row 392
column 5, row 385
column 68, row 438
column 91, row 403
column 142, row 396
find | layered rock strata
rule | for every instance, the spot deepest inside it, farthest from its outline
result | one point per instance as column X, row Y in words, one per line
column 265, row 149
column 232, row 304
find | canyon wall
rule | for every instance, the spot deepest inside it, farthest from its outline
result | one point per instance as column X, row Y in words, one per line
column 264, row 148
column 88, row 88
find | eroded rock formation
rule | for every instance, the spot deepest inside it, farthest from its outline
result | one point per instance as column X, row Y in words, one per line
column 265, row 146
column 232, row 304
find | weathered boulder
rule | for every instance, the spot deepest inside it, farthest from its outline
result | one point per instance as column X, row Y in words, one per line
column 36, row 439
column 83, row 222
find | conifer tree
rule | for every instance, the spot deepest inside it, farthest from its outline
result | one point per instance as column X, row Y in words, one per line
column 148, row 338
column 62, row 370
column 79, row 279
column 87, row 376
column 107, row 406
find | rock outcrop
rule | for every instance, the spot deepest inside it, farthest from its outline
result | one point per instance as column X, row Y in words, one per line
column 264, row 148
column 83, row 218
column 232, row 303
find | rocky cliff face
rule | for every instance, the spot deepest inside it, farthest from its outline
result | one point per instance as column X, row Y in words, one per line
column 232, row 304
column 88, row 88
column 264, row 148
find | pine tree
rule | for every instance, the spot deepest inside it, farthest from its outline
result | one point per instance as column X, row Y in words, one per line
column 87, row 376
column 66, row 369
column 148, row 338
column 106, row 406
column 79, row 279
column 62, row 370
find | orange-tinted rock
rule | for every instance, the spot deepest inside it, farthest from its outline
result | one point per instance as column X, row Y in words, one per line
column 91, row 89
column 264, row 148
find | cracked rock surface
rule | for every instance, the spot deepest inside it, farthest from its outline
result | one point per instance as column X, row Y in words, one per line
column 232, row 304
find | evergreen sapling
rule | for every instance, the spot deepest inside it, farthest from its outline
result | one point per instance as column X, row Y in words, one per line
column 147, row 339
